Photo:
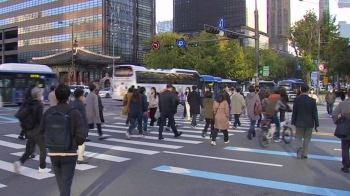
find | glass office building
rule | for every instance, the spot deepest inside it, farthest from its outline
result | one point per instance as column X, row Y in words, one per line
column 191, row 16
column 37, row 28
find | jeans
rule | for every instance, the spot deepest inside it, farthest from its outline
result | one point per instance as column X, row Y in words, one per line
column 276, row 121
column 152, row 113
column 330, row 108
column 207, row 123
column 145, row 122
column 163, row 117
column 345, row 147
column 64, row 168
column 128, row 120
column 259, row 121
column 237, row 122
column 252, row 128
column 32, row 140
column 135, row 122
column 194, row 120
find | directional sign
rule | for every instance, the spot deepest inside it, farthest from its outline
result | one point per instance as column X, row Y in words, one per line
column 181, row 43
column 155, row 45
column 221, row 24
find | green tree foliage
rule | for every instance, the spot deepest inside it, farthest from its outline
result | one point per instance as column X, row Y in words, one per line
column 339, row 56
column 269, row 57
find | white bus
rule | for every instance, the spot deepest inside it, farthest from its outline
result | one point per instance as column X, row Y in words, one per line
column 129, row 75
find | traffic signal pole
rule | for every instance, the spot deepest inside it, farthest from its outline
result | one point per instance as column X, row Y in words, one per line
column 257, row 55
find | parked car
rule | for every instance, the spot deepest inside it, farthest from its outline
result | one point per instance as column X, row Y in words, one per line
column 85, row 88
column 106, row 92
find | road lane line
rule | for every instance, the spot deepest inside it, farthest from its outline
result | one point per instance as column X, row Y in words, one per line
column 25, row 171
column 80, row 167
column 120, row 148
column 11, row 145
column 284, row 186
column 144, row 143
column 224, row 159
column 280, row 153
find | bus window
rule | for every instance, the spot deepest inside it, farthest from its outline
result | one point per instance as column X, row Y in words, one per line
column 20, row 83
column 123, row 72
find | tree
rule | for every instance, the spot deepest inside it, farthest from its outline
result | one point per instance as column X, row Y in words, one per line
column 277, row 66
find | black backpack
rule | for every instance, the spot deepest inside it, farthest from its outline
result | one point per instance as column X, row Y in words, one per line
column 58, row 134
column 26, row 116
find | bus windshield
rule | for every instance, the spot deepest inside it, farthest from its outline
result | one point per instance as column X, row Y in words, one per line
column 123, row 71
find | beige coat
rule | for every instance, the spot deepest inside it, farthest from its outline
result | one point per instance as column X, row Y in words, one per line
column 92, row 111
column 221, row 112
column 237, row 104
column 52, row 99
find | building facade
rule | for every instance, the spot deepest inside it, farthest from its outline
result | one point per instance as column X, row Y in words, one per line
column 344, row 29
column 165, row 26
column 279, row 23
column 38, row 28
column 191, row 16
column 323, row 6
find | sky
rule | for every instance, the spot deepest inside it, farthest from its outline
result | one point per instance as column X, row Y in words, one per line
column 164, row 9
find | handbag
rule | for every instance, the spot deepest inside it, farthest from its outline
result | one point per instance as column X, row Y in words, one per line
column 149, row 114
column 342, row 128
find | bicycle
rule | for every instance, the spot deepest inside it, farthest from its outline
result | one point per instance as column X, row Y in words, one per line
column 267, row 133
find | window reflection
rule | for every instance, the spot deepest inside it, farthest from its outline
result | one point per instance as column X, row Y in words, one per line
column 24, row 5
column 60, row 38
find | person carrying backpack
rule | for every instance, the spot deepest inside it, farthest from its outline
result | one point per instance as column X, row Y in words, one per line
column 30, row 115
column 64, row 130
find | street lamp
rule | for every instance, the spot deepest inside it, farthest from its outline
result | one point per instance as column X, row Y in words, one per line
column 257, row 55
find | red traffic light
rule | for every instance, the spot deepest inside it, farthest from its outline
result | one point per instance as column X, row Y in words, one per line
column 212, row 30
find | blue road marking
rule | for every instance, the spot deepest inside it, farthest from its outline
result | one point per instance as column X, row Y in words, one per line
column 280, row 153
column 9, row 119
column 326, row 141
column 284, row 186
column 12, row 109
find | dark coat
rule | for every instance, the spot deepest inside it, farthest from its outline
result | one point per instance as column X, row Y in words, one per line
column 167, row 103
column 144, row 103
column 195, row 100
column 305, row 113
column 100, row 105
column 78, row 126
column 38, row 111
column 79, row 105
column 228, row 98
column 135, row 108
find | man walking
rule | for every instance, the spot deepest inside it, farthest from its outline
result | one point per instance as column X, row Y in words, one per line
column 305, row 118
column 167, row 108
column 195, row 100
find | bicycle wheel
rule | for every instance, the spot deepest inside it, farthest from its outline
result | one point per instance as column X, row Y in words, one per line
column 264, row 141
column 287, row 135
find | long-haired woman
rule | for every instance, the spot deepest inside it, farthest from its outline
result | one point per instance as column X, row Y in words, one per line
column 135, row 113
column 186, row 113
column 208, row 103
column 221, row 117
column 153, row 105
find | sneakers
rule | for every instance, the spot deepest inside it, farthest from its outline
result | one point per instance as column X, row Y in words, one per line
column 300, row 153
column 127, row 135
column 21, row 137
column 17, row 167
column 277, row 140
column 213, row 143
column 228, row 141
column 44, row 170
column 141, row 136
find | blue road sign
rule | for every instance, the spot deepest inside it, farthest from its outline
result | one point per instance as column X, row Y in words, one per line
column 181, row 43
column 221, row 24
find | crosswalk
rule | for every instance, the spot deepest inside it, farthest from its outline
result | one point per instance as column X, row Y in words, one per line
column 116, row 149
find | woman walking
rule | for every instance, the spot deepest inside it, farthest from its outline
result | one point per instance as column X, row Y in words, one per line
column 208, row 103
column 126, row 101
column 101, row 108
column 186, row 114
column 135, row 113
column 237, row 107
column 251, row 101
column 153, row 105
column 93, row 114
column 221, row 117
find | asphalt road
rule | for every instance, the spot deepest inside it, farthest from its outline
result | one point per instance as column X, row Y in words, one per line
column 188, row 165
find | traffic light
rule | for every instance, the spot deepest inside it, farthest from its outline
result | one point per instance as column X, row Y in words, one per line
column 212, row 30
column 193, row 45
column 232, row 35
column 260, row 71
column 169, row 46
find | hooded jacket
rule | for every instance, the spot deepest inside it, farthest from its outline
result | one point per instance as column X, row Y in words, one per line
column 250, row 101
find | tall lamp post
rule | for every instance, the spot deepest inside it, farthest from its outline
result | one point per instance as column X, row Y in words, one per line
column 257, row 55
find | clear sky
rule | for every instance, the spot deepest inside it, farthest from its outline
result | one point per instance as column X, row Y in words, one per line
column 164, row 9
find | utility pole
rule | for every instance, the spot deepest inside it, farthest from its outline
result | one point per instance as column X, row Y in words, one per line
column 257, row 55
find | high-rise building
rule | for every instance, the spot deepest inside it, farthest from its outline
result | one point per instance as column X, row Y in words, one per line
column 49, row 28
column 344, row 29
column 165, row 26
column 323, row 6
column 191, row 16
column 279, row 23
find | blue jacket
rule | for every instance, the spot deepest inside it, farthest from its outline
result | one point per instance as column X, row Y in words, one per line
column 135, row 108
column 79, row 105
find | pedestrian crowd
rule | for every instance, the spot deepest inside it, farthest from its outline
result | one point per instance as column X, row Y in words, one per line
column 63, row 129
